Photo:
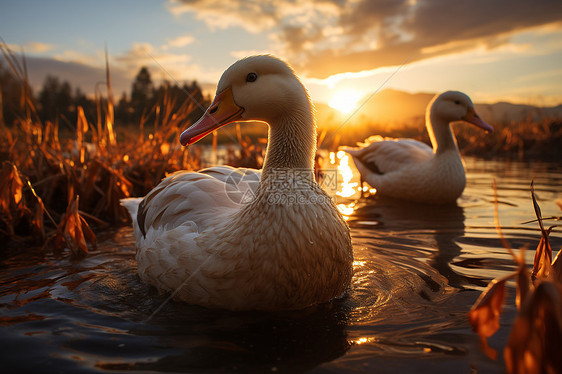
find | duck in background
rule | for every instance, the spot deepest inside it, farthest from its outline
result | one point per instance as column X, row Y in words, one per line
column 411, row 170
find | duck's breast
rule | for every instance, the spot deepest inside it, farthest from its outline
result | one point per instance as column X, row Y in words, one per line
column 281, row 255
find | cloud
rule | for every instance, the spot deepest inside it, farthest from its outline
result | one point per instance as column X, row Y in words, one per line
column 145, row 54
column 325, row 37
column 180, row 41
column 164, row 65
column 87, row 70
column 94, row 58
column 138, row 55
column 33, row 47
column 123, row 69
column 248, row 52
column 251, row 15
column 37, row 47
column 82, row 76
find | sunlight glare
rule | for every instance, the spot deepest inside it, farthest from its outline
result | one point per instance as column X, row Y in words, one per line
column 365, row 340
column 346, row 210
column 347, row 188
column 345, row 101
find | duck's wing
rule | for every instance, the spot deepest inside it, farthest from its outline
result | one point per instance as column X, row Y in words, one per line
column 234, row 176
column 193, row 198
column 381, row 156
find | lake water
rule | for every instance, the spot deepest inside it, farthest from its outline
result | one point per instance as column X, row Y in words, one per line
column 418, row 270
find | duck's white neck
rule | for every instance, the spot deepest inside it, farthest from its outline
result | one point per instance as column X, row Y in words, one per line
column 440, row 134
column 288, row 165
column 291, row 143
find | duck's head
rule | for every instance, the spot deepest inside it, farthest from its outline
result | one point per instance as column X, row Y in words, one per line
column 256, row 88
column 454, row 106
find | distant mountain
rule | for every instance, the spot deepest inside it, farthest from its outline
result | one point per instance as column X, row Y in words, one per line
column 392, row 107
column 504, row 113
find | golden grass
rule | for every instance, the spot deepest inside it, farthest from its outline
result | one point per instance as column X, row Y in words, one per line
column 44, row 173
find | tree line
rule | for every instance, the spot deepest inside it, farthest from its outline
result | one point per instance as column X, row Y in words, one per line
column 57, row 101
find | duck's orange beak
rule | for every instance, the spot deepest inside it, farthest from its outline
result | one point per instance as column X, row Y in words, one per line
column 474, row 118
column 222, row 111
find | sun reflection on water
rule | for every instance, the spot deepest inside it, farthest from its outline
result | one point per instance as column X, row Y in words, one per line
column 347, row 179
column 346, row 188
column 364, row 340
column 346, row 210
column 361, row 340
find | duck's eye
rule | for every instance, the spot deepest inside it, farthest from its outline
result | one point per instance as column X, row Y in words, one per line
column 252, row 77
column 457, row 102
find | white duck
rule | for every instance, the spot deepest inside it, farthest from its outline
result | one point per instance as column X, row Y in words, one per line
column 237, row 238
column 411, row 170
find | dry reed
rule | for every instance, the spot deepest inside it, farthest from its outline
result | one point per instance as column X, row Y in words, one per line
column 43, row 173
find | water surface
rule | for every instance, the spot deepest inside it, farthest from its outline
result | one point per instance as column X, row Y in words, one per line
column 418, row 270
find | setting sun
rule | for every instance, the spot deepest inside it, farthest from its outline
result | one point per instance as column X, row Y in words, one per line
column 345, row 101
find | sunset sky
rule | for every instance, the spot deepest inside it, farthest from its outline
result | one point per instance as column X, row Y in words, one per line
column 492, row 50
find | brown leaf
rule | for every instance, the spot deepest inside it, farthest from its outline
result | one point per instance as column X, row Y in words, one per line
column 484, row 316
column 536, row 337
column 11, row 188
column 73, row 231
column 543, row 257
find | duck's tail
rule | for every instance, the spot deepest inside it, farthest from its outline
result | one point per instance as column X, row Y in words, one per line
column 132, row 205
